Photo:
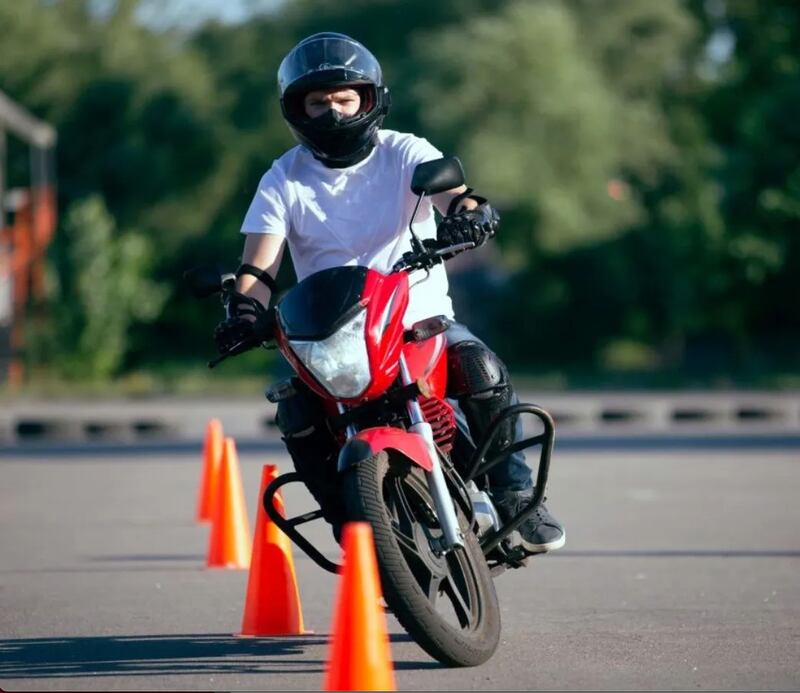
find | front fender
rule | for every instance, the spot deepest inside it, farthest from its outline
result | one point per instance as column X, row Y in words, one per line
column 371, row 441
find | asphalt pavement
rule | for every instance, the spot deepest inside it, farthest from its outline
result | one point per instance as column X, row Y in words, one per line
column 680, row 572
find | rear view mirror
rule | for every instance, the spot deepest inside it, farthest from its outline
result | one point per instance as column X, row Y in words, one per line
column 204, row 280
column 436, row 176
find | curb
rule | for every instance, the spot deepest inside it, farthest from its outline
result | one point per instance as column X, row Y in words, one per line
column 171, row 418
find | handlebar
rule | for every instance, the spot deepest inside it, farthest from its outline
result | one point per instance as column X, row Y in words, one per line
column 423, row 259
column 428, row 257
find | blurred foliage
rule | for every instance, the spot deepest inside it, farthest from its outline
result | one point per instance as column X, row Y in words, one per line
column 99, row 286
column 645, row 157
column 535, row 104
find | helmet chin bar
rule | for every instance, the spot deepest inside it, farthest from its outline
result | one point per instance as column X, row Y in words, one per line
column 336, row 141
column 349, row 159
column 334, row 122
column 346, row 162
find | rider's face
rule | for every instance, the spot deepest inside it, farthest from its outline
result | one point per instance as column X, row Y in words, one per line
column 318, row 102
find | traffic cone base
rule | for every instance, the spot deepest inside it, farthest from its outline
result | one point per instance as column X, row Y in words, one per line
column 360, row 655
column 272, row 604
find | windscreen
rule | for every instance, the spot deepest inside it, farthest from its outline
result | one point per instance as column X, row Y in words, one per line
column 321, row 303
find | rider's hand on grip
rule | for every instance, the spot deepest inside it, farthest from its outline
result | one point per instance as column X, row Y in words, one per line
column 469, row 226
column 242, row 332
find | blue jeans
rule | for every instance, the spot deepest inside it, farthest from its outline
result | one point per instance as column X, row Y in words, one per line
column 512, row 474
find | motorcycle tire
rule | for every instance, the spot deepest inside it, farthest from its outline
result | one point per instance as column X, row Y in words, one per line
column 447, row 603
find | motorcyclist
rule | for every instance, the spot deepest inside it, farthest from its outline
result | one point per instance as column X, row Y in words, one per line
column 342, row 197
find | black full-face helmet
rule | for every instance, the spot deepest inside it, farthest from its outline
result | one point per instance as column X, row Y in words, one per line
column 325, row 61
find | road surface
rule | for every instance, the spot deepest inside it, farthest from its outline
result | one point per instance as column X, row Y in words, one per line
column 681, row 571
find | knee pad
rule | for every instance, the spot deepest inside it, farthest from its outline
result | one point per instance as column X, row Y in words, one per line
column 473, row 369
column 478, row 379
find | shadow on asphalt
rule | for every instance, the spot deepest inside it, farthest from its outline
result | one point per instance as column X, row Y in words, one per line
column 165, row 655
column 159, row 655
column 678, row 553
column 192, row 557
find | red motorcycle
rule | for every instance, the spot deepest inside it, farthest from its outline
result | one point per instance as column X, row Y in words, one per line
column 438, row 537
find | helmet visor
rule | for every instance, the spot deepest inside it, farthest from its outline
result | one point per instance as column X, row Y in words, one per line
column 343, row 58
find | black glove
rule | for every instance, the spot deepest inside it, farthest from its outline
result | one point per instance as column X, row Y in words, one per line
column 244, row 331
column 470, row 226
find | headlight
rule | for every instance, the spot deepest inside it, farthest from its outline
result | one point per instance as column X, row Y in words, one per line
column 340, row 362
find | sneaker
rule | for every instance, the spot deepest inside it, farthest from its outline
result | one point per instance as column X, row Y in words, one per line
column 541, row 531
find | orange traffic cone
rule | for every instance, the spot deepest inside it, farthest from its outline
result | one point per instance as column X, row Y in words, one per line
column 212, row 454
column 229, row 545
column 360, row 657
column 272, row 605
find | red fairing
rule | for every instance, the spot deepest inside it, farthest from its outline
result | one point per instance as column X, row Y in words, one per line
column 412, row 445
column 387, row 299
column 427, row 360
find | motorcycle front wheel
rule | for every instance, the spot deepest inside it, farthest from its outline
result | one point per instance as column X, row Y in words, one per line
column 446, row 602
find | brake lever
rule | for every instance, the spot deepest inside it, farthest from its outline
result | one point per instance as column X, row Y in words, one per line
column 403, row 263
column 235, row 350
column 427, row 260
column 454, row 248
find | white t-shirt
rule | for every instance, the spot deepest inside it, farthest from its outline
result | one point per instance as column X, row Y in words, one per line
column 353, row 216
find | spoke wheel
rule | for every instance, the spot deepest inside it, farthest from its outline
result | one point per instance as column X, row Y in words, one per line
column 448, row 581
column 446, row 601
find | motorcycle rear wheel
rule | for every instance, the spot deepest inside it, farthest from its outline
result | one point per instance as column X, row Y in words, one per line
column 447, row 603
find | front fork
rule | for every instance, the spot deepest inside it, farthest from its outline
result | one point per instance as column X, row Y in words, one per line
column 445, row 509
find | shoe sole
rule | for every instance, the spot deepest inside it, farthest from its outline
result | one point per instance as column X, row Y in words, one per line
column 544, row 548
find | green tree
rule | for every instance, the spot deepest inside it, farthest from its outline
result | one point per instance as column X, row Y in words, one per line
column 651, row 55
column 559, row 112
column 754, row 116
column 139, row 124
column 532, row 119
column 133, row 108
column 100, row 287
column 643, row 155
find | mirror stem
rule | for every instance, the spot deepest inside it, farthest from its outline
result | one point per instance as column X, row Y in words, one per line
column 416, row 244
